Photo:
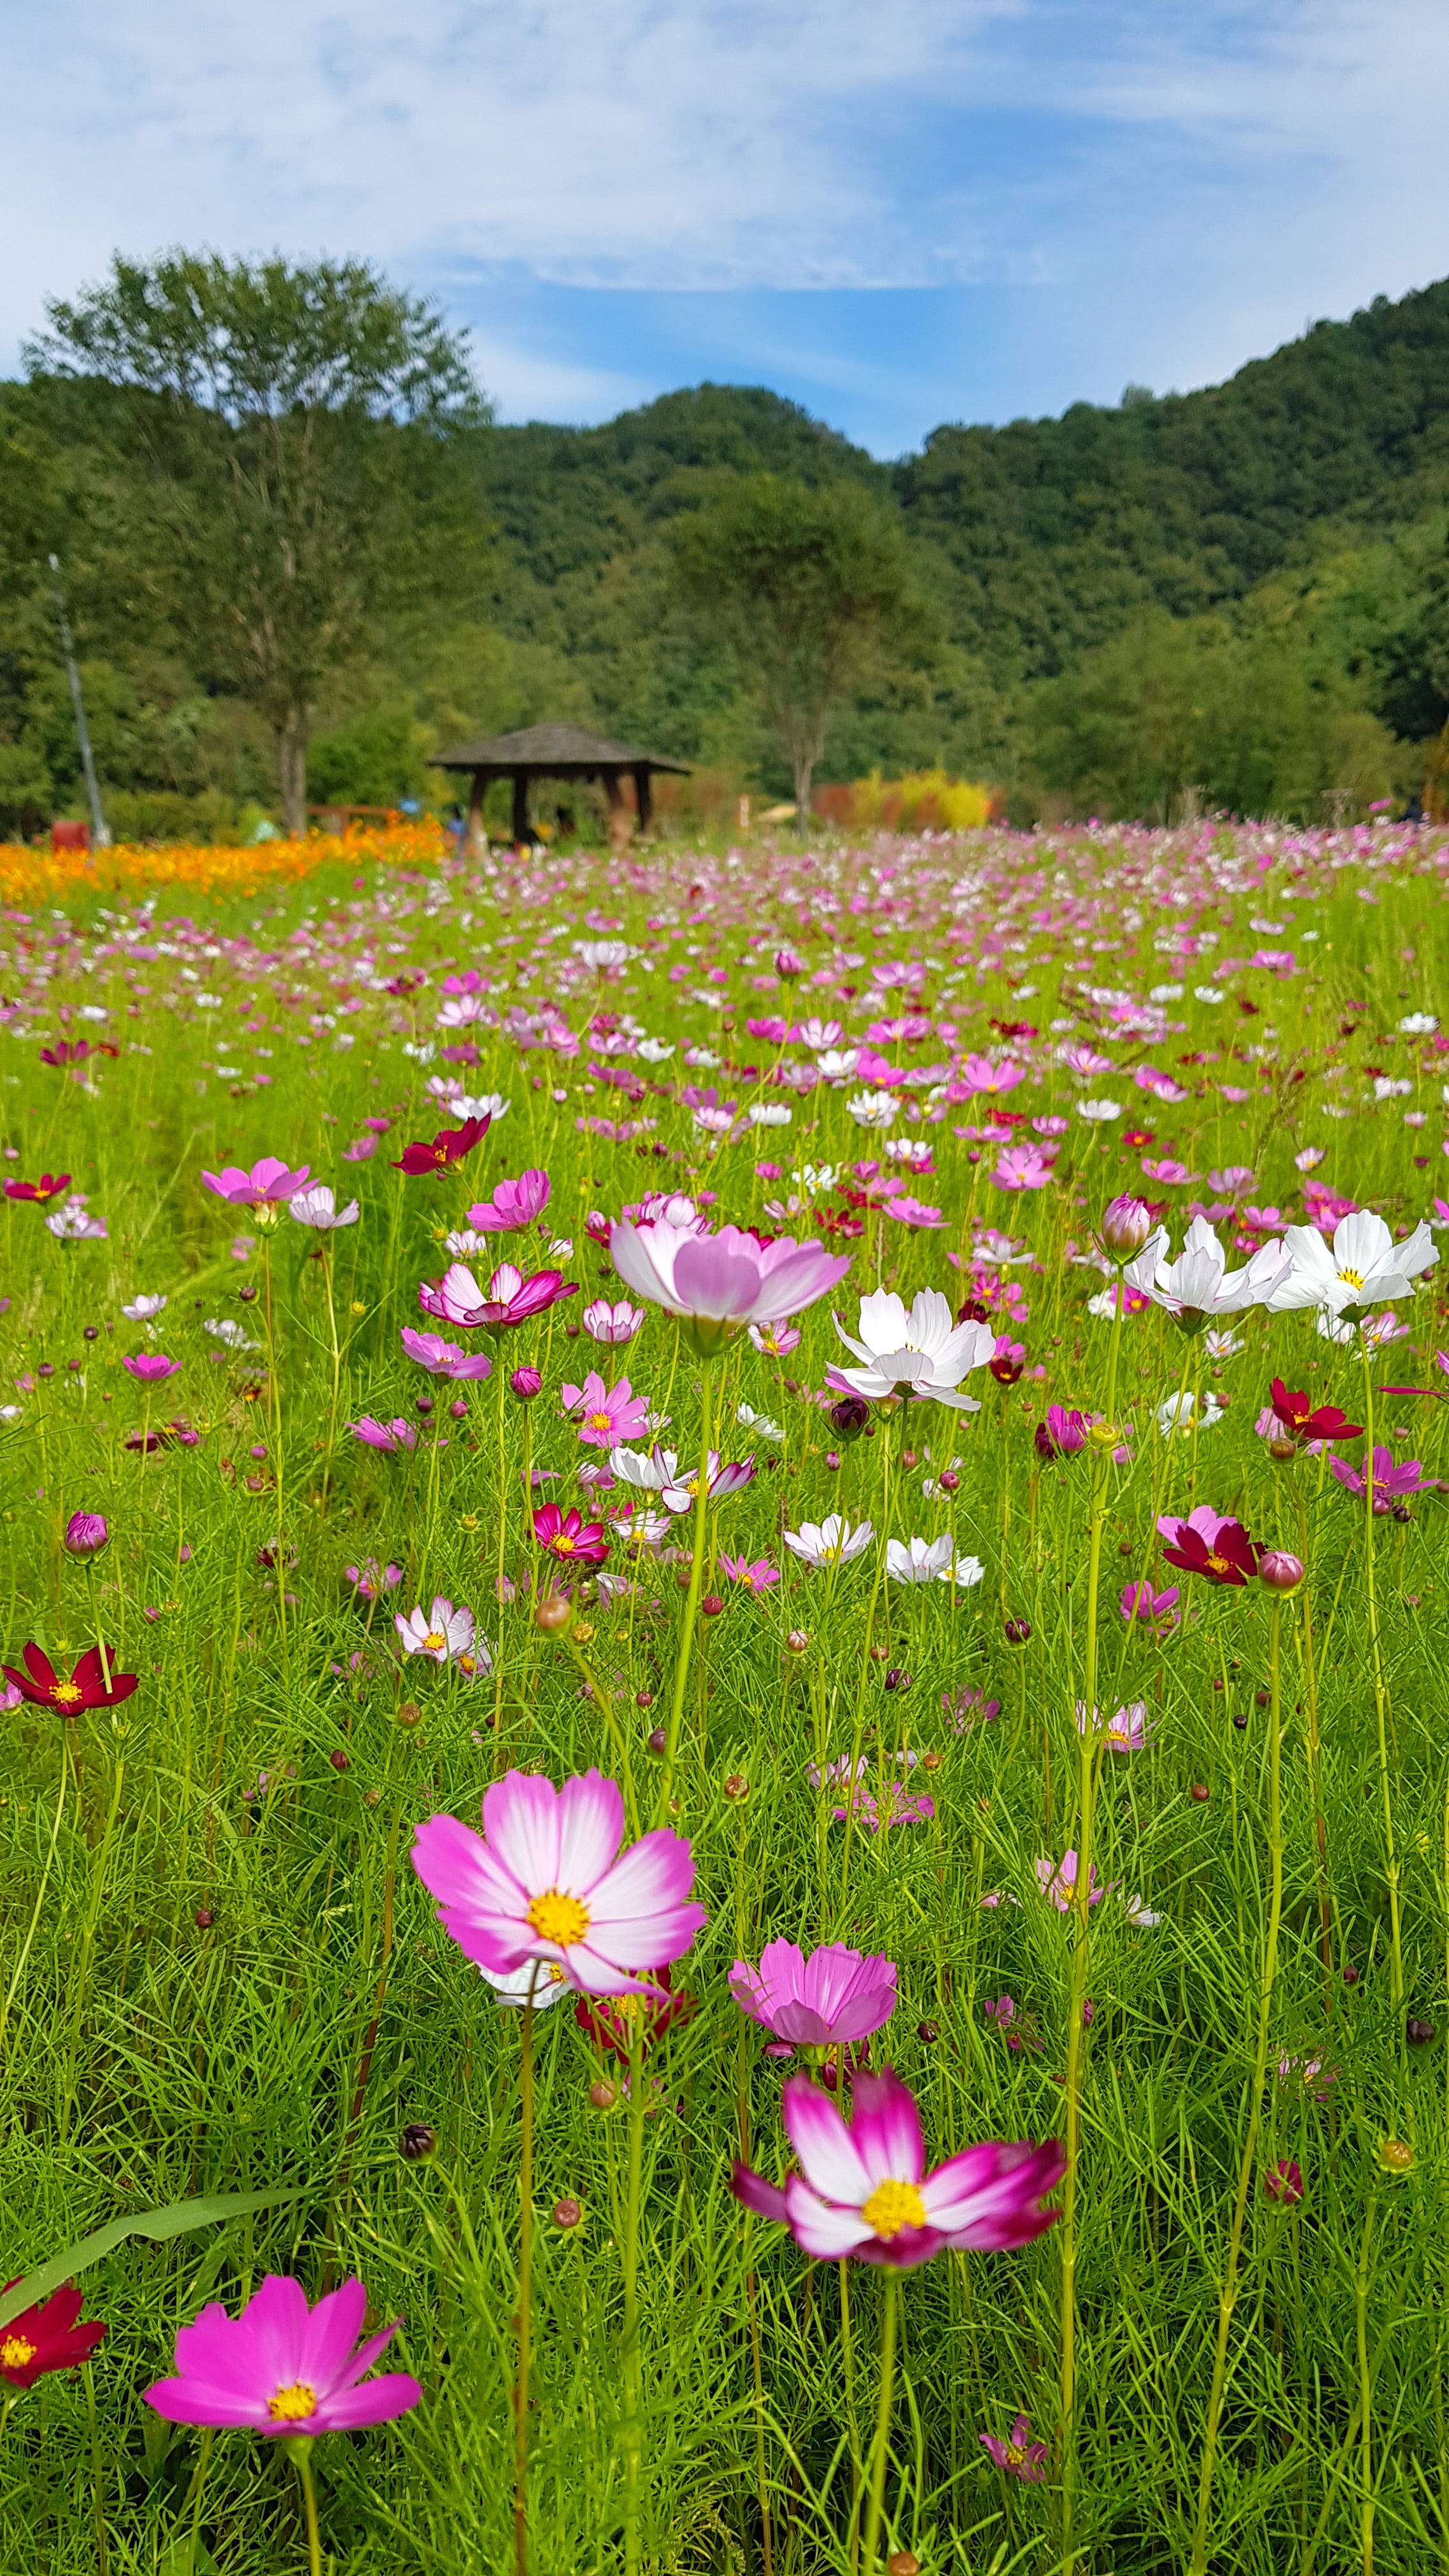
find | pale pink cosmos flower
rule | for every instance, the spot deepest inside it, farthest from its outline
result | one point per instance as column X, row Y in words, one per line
column 370, row 1579
column 756, row 1577
column 835, row 1995
column 394, row 1435
column 1058, row 1881
column 679, row 1494
column 283, row 2369
column 545, row 1882
column 511, row 1299
column 1126, row 1732
column 714, row 1283
column 265, row 1185
column 607, row 1415
column 774, row 1341
column 1199, row 1284
column 318, row 1208
column 439, row 1632
column 514, row 1204
column 1022, row 1167
column 443, row 1358
column 828, row 1542
column 864, row 2194
column 612, row 1324
column 978, row 1074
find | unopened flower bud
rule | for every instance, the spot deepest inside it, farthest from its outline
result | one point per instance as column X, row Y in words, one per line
column 909, row 1460
column 850, row 1416
column 1282, row 1450
column 929, row 2031
column 949, row 1481
column 930, row 1762
column 1419, row 2034
column 832, row 1460
column 1395, row 2158
column 417, row 2143
column 567, row 2213
column 711, row 1605
column 896, row 1680
column 1281, row 1572
column 787, row 964
column 1284, row 2182
column 204, row 1918
column 737, row 1788
column 339, row 1760
column 553, row 1613
column 525, row 1382
column 85, row 1534
column 409, row 1714
column 602, row 2096
column 643, row 1699
column 658, row 1740
column 1017, row 1631
column 459, row 1408
column 797, row 1641
column 1126, row 1225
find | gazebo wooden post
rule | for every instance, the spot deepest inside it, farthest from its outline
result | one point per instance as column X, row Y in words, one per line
column 475, row 839
column 644, row 799
column 520, row 807
column 619, row 825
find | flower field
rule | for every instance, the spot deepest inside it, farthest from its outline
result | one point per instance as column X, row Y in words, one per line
column 726, row 1818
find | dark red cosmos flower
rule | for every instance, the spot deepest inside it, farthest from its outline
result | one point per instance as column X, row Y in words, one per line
column 86, row 1687
column 1207, row 1544
column 47, row 2338
column 1302, row 1421
column 49, row 1186
column 574, row 1540
column 448, row 1146
column 613, row 2020
column 75, row 1051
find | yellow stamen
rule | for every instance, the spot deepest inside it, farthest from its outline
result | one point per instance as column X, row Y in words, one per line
column 65, row 1693
column 600, row 1422
column 1015, row 2453
column 1351, row 1278
column 560, row 1918
column 15, row 2352
column 563, row 1545
column 892, row 2206
column 1217, row 1564
column 292, row 2405
column 435, row 1641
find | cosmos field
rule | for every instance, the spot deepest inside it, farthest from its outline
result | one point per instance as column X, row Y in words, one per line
column 722, row 1601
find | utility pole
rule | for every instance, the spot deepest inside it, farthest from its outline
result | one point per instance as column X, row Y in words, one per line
column 100, row 834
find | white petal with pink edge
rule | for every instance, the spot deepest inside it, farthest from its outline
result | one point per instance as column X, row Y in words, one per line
column 824, row 2145
column 591, row 1827
column 521, row 1820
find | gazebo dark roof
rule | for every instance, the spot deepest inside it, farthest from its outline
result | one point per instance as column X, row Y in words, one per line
column 553, row 751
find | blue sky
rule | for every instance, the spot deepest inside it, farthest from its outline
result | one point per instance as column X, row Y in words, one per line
column 899, row 212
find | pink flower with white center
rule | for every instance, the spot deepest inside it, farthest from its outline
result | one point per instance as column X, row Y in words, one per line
column 440, row 1633
column 834, row 1996
column 1126, row 1732
column 864, row 2194
column 511, row 1299
column 978, row 1074
column 605, row 1415
column 1058, row 1881
column 266, row 1185
column 150, row 1366
column 612, row 1324
column 545, row 1881
column 774, row 1341
column 923, row 1349
column 514, row 1204
column 756, row 1577
column 284, row 2369
column 715, row 1283
column 1022, row 1167
column 1018, row 2455
column 444, row 1359
column 392, row 1436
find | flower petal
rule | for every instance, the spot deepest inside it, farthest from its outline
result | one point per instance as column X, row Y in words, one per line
column 828, row 2153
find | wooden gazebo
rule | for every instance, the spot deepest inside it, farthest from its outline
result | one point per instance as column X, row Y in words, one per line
column 557, row 751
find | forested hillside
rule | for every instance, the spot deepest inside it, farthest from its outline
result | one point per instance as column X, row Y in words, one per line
column 1241, row 591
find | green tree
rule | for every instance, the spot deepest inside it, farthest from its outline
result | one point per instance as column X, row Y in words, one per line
column 814, row 582
column 303, row 436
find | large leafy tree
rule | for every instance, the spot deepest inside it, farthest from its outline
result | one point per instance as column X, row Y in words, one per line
column 813, row 581
column 301, row 438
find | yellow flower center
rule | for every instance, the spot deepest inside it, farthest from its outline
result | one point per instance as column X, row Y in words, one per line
column 560, row 1918
column 292, row 2405
column 563, row 1545
column 15, row 2352
column 600, row 1422
column 892, row 2206
column 435, row 1641
column 65, row 1693
column 1015, row 2453
column 1218, row 1564
column 1351, row 1278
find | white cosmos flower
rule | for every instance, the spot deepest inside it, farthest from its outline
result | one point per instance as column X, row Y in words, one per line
column 225, row 1328
column 539, row 1981
column 654, row 1051
column 832, row 1542
column 1223, row 1346
column 141, row 1309
column 438, row 1633
column 837, row 1064
column 770, row 1113
column 1208, row 993
column 1136, row 1912
column 760, row 1422
column 924, row 1349
column 647, row 1473
column 317, row 1207
column 873, row 1109
column 1199, row 1283
column 1362, row 1267
column 1180, row 1413
column 1418, row 1024
column 1098, row 1112
column 935, row 1561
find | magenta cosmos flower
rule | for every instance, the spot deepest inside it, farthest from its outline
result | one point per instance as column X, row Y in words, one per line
column 52, row 2337
column 514, row 1204
column 1018, row 2455
column 392, row 1436
column 1142, row 1607
column 570, row 1538
column 1058, row 1880
column 283, row 2368
column 150, row 1366
column 545, row 1881
column 604, row 1415
column 444, row 1359
column 715, row 1283
column 1391, row 1484
column 511, row 1299
column 832, row 1996
column 863, row 2191
column 267, row 1184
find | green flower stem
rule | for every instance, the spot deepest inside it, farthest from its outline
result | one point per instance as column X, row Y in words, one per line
column 502, row 1541
column 1077, row 1990
column 524, row 2319
column 1381, row 1694
column 1227, row 2295
column 1315, row 1768
column 691, row 1602
column 633, row 2197
column 847, row 2355
column 876, row 2502
column 299, row 2445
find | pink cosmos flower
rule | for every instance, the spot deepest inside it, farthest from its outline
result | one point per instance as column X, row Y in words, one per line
column 361, row 1149
column 1126, row 1732
column 1058, row 1881
column 966, row 1707
column 514, row 1204
column 877, row 1810
column 282, row 2368
column 1018, row 2455
column 392, row 1436
column 1210, row 1544
column 544, row 1881
column 756, row 1578
column 717, row 1282
column 1392, row 1485
column 567, row 1536
column 1022, row 1167
column 612, row 1323
column 1013, row 2028
column 977, row 1073
column 1063, row 1433
column 864, row 2192
column 1173, row 1176
column 444, row 1359
column 265, row 1185
column 833, row 1996
column 511, row 1299
column 151, row 1366
column 441, row 1633
column 371, row 1579
column 1143, row 1607
column 912, row 1211
column 774, row 1341
column 608, row 1414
